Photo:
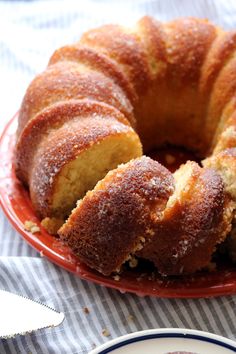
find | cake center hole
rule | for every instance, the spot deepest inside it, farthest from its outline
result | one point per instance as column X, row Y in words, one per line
column 172, row 157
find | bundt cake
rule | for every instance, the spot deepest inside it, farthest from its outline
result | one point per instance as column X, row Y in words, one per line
column 101, row 103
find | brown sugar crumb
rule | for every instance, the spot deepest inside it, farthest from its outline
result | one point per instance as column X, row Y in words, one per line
column 86, row 310
column 116, row 277
column 105, row 332
column 31, row 226
column 52, row 225
column 170, row 159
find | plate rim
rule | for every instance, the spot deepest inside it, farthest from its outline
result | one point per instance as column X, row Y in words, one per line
column 82, row 270
column 164, row 333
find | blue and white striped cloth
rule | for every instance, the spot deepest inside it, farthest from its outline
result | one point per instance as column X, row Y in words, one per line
column 29, row 32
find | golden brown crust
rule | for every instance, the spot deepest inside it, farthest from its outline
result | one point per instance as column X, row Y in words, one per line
column 114, row 219
column 186, row 237
column 173, row 98
column 188, row 42
column 218, row 57
column 65, row 81
column 224, row 89
column 153, row 39
column 125, row 49
column 96, row 61
column 52, row 118
column 221, row 51
column 225, row 137
column 224, row 163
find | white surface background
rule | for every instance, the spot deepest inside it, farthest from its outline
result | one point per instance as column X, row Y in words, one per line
column 29, row 32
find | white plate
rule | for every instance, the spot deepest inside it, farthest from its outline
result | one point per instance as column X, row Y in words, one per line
column 165, row 341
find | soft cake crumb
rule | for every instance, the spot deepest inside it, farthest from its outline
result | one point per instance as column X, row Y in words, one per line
column 31, row 226
column 116, row 277
column 52, row 225
column 105, row 332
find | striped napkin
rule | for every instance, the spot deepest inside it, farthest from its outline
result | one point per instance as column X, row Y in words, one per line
column 29, row 32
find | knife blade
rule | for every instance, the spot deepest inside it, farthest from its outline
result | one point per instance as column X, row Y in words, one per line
column 21, row 315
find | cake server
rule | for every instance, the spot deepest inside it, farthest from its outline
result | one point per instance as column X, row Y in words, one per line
column 21, row 315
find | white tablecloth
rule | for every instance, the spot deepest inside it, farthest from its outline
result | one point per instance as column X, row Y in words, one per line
column 29, row 32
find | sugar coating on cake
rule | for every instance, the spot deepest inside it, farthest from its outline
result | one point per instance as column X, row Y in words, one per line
column 117, row 217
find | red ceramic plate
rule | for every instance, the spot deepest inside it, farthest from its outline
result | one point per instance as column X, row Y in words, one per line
column 17, row 206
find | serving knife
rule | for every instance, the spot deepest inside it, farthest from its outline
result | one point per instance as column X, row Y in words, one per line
column 21, row 315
